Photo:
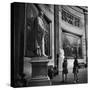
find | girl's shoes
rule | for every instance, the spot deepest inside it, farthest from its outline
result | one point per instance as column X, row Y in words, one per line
column 74, row 81
column 77, row 80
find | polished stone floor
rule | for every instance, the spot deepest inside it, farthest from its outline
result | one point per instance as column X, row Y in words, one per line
column 82, row 75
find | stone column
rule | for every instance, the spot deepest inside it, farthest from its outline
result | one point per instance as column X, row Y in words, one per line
column 17, row 45
column 56, row 33
column 86, row 36
column 61, row 51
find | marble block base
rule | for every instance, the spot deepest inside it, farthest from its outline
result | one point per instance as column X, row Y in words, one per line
column 39, row 72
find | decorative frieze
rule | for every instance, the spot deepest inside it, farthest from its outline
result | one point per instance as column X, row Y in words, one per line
column 70, row 18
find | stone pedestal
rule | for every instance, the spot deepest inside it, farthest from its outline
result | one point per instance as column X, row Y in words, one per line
column 39, row 72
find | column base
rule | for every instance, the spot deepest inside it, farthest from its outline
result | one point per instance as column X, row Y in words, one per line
column 40, row 81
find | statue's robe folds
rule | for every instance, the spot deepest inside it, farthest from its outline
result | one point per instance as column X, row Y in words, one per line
column 39, row 30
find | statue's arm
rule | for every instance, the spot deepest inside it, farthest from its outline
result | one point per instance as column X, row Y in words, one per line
column 41, row 24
